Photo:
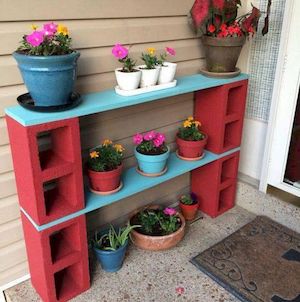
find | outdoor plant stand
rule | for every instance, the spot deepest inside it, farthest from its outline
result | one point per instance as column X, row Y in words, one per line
column 50, row 184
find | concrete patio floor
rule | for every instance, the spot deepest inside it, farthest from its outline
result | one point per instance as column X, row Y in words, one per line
column 155, row 276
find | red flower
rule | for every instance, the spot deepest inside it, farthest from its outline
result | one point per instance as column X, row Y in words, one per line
column 223, row 27
column 199, row 12
column 211, row 28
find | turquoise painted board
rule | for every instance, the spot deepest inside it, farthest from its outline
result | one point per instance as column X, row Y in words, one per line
column 134, row 183
column 108, row 100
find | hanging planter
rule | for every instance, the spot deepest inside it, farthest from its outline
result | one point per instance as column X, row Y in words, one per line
column 105, row 168
column 128, row 77
column 151, row 153
column 190, row 140
column 48, row 65
column 160, row 228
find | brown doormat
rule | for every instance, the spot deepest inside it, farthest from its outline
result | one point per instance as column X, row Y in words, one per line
column 258, row 263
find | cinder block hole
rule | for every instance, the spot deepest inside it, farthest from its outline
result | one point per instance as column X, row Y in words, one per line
column 232, row 135
column 66, row 282
column 55, row 147
column 64, row 242
column 235, row 102
column 226, row 198
column 228, row 169
column 60, row 195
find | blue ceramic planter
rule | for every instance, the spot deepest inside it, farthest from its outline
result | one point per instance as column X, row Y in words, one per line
column 49, row 79
column 152, row 164
column 111, row 261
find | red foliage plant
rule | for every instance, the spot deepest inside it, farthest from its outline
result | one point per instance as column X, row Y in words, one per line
column 219, row 18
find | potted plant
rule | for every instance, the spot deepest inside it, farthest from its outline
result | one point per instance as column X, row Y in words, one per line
column 223, row 32
column 105, row 167
column 48, row 64
column 189, row 206
column 128, row 77
column 160, row 228
column 151, row 153
column 150, row 70
column 190, row 139
column 168, row 69
column 110, row 247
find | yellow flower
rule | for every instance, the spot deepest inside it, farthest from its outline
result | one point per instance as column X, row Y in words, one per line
column 190, row 118
column 151, row 50
column 187, row 124
column 119, row 148
column 34, row 27
column 61, row 29
column 107, row 142
column 197, row 123
column 94, row 154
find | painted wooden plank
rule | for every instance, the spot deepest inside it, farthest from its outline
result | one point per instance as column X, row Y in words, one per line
column 9, row 209
column 108, row 100
column 10, row 232
column 19, row 10
column 5, row 159
column 14, row 272
column 12, row 254
column 3, row 132
column 7, row 184
column 134, row 183
column 100, row 60
column 86, row 33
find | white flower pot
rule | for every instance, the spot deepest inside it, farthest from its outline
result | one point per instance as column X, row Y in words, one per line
column 167, row 73
column 128, row 80
column 149, row 76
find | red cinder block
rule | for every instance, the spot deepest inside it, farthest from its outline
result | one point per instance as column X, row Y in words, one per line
column 221, row 112
column 48, row 168
column 58, row 259
column 215, row 185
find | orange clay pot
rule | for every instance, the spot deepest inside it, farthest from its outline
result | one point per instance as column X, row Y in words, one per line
column 158, row 243
column 189, row 211
column 190, row 149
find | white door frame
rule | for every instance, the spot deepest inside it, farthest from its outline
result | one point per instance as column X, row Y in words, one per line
column 282, row 114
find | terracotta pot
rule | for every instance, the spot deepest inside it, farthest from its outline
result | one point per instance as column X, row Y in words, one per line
column 105, row 181
column 222, row 54
column 189, row 211
column 158, row 243
column 190, row 149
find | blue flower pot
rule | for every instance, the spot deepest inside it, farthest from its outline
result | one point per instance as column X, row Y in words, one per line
column 111, row 261
column 49, row 79
column 152, row 164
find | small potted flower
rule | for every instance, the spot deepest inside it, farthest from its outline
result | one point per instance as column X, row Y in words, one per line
column 151, row 153
column 110, row 247
column 150, row 70
column 48, row 64
column 105, row 167
column 189, row 206
column 168, row 69
column 128, row 77
column 190, row 140
column 160, row 228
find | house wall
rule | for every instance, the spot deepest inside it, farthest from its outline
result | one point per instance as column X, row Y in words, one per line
column 95, row 26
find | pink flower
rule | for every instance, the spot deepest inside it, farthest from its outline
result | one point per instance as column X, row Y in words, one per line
column 50, row 28
column 150, row 136
column 119, row 51
column 137, row 139
column 170, row 211
column 159, row 139
column 36, row 38
column 171, row 51
column 157, row 142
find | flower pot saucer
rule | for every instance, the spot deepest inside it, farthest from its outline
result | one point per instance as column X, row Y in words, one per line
column 190, row 159
column 27, row 102
column 224, row 75
column 107, row 192
column 152, row 174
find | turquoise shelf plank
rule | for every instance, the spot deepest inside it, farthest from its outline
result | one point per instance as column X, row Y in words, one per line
column 134, row 183
column 108, row 100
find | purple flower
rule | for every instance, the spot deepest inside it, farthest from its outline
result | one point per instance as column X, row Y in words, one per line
column 119, row 51
column 194, row 196
column 150, row 136
column 137, row 139
column 170, row 211
column 36, row 38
